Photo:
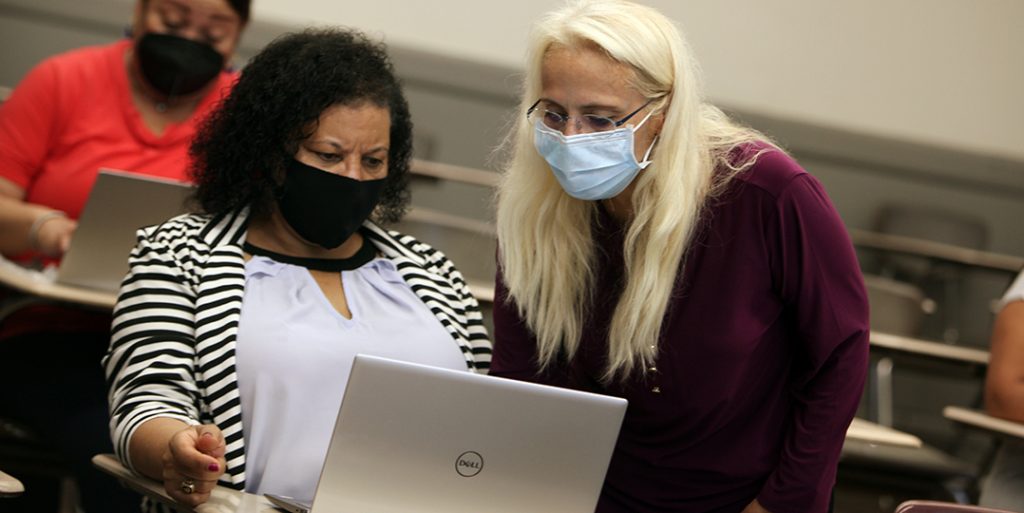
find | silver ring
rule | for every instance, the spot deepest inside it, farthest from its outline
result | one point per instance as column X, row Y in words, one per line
column 188, row 486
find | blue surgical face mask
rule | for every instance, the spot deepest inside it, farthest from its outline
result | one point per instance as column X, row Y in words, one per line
column 592, row 166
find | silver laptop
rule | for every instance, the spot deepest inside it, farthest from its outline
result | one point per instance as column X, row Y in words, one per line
column 416, row 438
column 119, row 204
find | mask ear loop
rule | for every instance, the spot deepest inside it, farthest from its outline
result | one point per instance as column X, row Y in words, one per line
column 642, row 121
column 646, row 162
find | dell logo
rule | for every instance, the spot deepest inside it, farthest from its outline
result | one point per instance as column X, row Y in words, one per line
column 469, row 464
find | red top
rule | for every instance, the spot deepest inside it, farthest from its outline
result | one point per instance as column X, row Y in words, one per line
column 73, row 114
column 70, row 116
column 761, row 361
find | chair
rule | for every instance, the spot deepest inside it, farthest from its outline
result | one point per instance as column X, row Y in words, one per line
column 937, row 226
column 897, row 308
column 944, row 507
column 930, row 224
column 913, row 472
column 43, row 469
column 21, row 450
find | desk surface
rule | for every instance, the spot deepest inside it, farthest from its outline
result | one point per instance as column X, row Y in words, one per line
column 984, row 421
column 930, row 349
column 937, row 251
column 44, row 286
column 454, row 173
column 867, row 431
column 9, row 486
column 222, row 500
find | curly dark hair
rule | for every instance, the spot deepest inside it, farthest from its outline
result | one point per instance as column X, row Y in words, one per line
column 240, row 150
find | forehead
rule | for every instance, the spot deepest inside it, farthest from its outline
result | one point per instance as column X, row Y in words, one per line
column 584, row 70
column 364, row 121
column 219, row 9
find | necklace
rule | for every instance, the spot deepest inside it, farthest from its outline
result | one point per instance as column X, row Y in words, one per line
column 364, row 254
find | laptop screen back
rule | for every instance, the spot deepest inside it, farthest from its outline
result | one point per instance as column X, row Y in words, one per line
column 417, row 438
column 119, row 204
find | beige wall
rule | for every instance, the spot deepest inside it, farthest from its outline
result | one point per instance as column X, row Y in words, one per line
column 853, row 95
column 946, row 72
column 870, row 97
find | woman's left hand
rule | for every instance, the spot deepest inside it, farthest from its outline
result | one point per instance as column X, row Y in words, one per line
column 754, row 507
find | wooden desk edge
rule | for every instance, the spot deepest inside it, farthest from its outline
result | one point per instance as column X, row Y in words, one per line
column 10, row 486
column 928, row 348
column 984, row 421
column 109, row 464
column 867, row 431
column 56, row 292
column 482, row 291
column 936, row 250
column 222, row 499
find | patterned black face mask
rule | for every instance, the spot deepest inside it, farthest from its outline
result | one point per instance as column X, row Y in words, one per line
column 176, row 66
column 322, row 207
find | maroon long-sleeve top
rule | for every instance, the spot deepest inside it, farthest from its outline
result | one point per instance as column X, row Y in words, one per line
column 760, row 366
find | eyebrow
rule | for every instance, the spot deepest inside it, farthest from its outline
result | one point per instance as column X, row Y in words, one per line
column 216, row 17
column 177, row 4
column 586, row 107
column 339, row 147
column 224, row 18
column 599, row 106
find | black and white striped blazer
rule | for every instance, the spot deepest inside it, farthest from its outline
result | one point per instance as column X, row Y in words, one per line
column 172, row 349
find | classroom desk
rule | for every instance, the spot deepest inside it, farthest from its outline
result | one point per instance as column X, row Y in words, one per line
column 225, row 500
column 866, row 431
column 454, row 173
column 982, row 420
column 222, row 500
column 937, row 350
column 43, row 286
column 936, row 251
column 914, row 351
column 9, row 486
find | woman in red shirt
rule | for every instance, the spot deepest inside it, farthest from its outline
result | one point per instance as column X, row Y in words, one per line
column 133, row 105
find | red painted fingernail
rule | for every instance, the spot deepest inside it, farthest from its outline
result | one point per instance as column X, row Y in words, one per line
column 214, row 467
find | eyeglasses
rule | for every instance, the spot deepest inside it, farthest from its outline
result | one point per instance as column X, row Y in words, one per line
column 587, row 123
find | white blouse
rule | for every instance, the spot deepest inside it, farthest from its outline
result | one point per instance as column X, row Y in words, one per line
column 294, row 354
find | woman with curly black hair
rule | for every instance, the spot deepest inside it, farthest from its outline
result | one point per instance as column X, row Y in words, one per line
column 236, row 327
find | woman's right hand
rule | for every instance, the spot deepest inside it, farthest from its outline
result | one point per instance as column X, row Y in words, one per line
column 193, row 456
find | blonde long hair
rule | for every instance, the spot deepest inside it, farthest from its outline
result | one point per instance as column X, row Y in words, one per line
column 547, row 250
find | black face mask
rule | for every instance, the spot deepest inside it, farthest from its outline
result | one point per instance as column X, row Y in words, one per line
column 325, row 208
column 176, row 66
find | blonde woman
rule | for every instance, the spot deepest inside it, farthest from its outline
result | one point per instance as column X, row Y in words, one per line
column 653, row 249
